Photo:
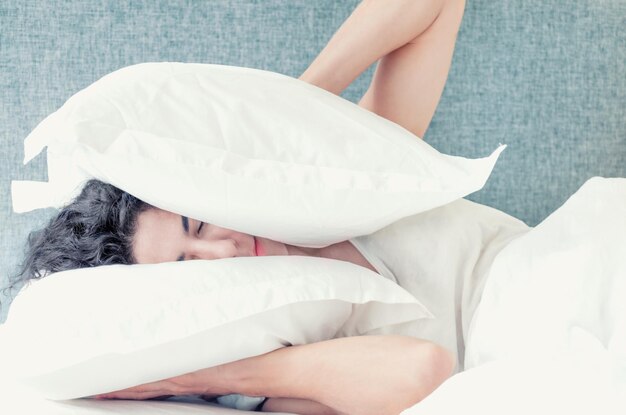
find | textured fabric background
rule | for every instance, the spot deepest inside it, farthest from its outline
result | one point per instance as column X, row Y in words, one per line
column 548, row 78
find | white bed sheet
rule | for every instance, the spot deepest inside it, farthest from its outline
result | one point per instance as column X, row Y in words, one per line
column 568, row 385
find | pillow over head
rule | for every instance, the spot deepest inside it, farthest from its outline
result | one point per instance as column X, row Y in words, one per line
column 88, row 331
column 245, row 149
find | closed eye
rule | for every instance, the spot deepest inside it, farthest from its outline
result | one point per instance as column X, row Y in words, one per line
column 200, row 227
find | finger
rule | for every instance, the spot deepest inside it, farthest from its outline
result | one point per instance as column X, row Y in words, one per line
column 132, row 392
column 133, row 395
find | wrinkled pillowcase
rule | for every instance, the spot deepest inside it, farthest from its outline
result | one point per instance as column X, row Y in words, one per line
column 245, row 149
column 87, row 331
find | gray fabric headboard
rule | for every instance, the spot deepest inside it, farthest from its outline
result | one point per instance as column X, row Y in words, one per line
column 548, row 78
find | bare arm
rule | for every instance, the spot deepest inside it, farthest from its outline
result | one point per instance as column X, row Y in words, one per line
column 361, row 375
column 297, row 406
column 375, row 375
column 414, row 41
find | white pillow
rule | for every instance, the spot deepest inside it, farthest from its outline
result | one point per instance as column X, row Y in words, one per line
column 87, row 331
column 245, row 149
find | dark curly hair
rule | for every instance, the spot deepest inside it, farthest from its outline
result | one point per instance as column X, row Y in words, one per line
column 96, row 228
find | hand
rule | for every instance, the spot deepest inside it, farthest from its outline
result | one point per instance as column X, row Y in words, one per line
column 162, row 389
column 203, row 382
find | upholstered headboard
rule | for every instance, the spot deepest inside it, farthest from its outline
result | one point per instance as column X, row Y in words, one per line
column 548, row 78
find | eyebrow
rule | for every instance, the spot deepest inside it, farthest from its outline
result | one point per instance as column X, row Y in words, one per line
column 186, row 228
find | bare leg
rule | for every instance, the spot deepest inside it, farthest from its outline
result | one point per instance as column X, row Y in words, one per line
column 415, row 40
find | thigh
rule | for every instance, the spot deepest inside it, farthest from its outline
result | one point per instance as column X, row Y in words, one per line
column 408, row 82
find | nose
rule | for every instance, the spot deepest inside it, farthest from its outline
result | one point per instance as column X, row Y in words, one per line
column 212, row 249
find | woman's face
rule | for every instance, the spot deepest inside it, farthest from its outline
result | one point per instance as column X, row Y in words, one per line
column 163, row 236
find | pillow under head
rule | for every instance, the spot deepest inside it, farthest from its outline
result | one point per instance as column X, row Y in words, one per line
column 87, row 331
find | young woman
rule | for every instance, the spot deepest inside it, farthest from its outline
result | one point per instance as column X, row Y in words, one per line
column 413, row 42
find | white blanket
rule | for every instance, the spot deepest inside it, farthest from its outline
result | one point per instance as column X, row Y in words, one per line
column 549, row 335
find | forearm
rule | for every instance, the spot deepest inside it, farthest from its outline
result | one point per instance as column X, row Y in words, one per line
column 375, row 28
column 356, row 375
column 298, row 406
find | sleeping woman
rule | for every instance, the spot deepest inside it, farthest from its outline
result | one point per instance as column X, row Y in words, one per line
column 412, row 43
